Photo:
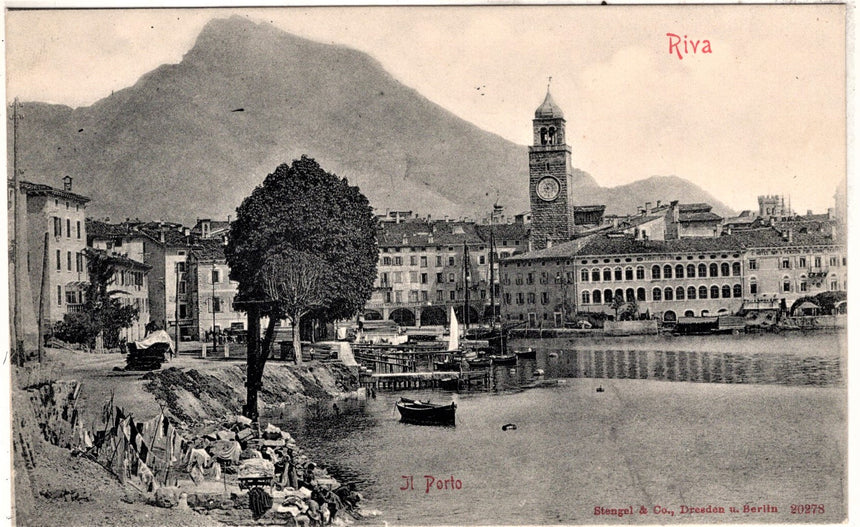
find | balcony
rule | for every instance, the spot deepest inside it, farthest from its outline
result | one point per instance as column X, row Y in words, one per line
column 74, row 308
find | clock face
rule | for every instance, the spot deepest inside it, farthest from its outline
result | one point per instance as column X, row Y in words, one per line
column 547, row 188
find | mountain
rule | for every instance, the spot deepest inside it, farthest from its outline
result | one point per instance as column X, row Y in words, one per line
column 193, row 139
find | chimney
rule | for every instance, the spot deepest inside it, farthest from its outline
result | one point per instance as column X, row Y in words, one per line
column 648, row 205
column 658, row 203
column 229, row 220
column 809, row 212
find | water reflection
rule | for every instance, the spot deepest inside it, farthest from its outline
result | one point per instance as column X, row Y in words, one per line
column 679, row 366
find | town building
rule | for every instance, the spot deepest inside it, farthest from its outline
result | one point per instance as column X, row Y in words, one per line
column 212, row 291
column 422, row 269
column 51, row 249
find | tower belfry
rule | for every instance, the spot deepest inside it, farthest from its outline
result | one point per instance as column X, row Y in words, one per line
column 550, row 176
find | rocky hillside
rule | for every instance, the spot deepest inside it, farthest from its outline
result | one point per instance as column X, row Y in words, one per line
column 192, row 139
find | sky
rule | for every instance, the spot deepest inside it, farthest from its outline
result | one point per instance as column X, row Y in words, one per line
column 762, row 113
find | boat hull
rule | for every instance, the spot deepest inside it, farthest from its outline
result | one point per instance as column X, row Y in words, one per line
column 427, row 414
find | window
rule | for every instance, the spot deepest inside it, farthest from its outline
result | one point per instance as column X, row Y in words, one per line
column 544, row 298
column 714, row 270
column 413, row 260
column 736, row 269
column 182, row 287
column 737, row 291
column 667, row 271
column 398, row 260
column 679, row 293
column 388, row 297
column 440, row 278
column 71, row 297
column 68, row 260
column 78, row 229
column 691, row 270
column 413, row 277
column 595, row 275
column 397, row 276
column 834, row 261
column 440, row 295
column 754, row 264
column 68, row 228
column 530, row 298
column 786, row 263
column 801, row 262
column 703, row 292
column 691, row 293
column 679, row 271
column 59, row 261
column 715, row 291
column 424, row 296
column 482, row 259
column 803, row 285
column 216, row 305
column 216, row 276
column 398, row 296
column 597, row 296
column 607, row 275
column 727, row 291
column 59, row 295
column 618, row 275
column 668, row 293
column 640, row 294
column 383, row 279
column 724, row 269
column 586, row 297
column 58, row 226
column 657, row 294
column 452, row 261
column 183, row 311
column 79, row 262
column 630, row 295
column 607, row 296
column 451, row 277
column 423, row 278
column 640, row 273
column 753, row 287
column 413, row 295
column 834, row 285
column 583, row 275
column 386, row 260
column 180, row 266
column 628, row 273
column 530, row 278
column 786, row 285
column 438, row 261
column 655, row 272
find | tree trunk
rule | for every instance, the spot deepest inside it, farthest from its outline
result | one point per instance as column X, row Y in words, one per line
column 297, row 338
column 252, row 382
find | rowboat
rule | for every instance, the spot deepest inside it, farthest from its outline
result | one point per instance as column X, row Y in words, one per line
column 425, row 412
column 503, row 359
column 526, row 354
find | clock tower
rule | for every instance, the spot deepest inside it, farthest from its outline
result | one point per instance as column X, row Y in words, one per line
column 550, row 177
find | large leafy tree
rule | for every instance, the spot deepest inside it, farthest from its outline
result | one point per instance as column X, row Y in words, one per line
column 303, row 244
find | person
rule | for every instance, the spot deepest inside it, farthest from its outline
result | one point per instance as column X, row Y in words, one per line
column 348, row 496
column 308, row 478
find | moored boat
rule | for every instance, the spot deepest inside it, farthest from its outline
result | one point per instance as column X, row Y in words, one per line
column 425, row 412
column 526, row 354
column 503, row 359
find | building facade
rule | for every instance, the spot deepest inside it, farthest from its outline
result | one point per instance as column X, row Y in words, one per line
column 54, row 234
column 212, row 291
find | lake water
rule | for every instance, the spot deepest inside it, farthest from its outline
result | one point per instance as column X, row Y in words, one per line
column 729, row 434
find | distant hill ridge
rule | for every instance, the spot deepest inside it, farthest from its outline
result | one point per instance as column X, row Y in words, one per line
column 193, row 139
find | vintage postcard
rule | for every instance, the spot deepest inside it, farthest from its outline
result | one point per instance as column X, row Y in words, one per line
column 428, row 265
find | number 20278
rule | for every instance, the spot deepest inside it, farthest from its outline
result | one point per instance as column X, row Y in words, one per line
column 808, row 508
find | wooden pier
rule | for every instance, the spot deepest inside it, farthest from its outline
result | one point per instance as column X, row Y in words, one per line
column 420, row 380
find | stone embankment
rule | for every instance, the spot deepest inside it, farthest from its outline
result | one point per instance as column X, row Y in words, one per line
column 58, row 477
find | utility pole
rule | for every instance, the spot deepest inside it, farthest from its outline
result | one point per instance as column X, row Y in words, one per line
column 492, row 278
column 176, row 310
column 213, row 306
column 17, row 323
column 466, row 285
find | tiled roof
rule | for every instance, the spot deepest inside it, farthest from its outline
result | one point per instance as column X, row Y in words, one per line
column 101, row 229
column 208, row 249
column 611, row 244
column 635, row 221
column 691, row 217
column 503, row 231
column 37, row 189
column 773, row 237
column 562, row 250
column 123, row 261
column 694, row 207
column 589, row 208
column 422, row 234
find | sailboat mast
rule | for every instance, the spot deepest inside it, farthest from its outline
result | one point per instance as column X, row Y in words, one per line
column 466, row 284
column 492, row 278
